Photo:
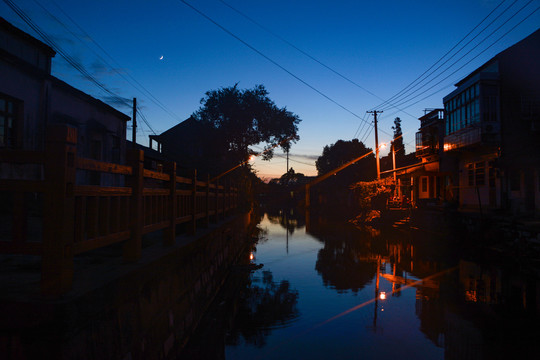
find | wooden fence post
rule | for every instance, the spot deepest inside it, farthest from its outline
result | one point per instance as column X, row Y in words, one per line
column 228, row 206
column 207, row 220
column 132, row 247
column 224, row 202
column 59, row 209
column 193, row 229
column 170, row 232
column 217, row 200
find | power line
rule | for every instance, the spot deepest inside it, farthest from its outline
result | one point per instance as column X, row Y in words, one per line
column 468, row 62
column 290, row 157
column 442, row 57
column 145, row 120
column 363, row 122
column 270, row 59
column 469, row 52
column 129, row 79
column 299, row 50
column 62, row 53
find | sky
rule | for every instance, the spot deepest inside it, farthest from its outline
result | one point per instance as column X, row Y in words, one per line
column 327, row 61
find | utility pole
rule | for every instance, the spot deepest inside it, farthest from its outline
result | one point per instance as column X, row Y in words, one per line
column 374, row 112
column 134, row 130
column 394, row 160
column 287, row 160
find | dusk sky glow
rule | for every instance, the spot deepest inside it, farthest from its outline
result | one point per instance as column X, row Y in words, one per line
column 176, row 54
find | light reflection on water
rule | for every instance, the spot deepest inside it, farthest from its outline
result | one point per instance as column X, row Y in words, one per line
column 332, row 277
column 329, row 290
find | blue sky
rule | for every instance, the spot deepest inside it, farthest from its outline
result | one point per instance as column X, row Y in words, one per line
column 382, row 46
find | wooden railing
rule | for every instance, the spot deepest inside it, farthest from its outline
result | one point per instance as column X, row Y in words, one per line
column 79, row 218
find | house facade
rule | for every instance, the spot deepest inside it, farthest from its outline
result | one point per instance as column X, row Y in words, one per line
column 427, row 178
column 191, row 144
column 31, row 99
column 492, row 129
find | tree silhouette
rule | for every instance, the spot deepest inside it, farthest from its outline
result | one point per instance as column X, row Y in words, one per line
column 397, row 143
column 247, row 117
column 341, row 152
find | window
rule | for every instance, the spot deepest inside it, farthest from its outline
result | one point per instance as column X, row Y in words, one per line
column 492, row 174
column 424, row 184
column 463, row 110
column 95, row 149
column 470, row 174
column 476, row 174
column 8, row 120
column 480, row 173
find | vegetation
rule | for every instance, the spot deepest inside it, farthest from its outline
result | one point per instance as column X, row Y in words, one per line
column 397, row 143
column 247, row 117
column 342, row 152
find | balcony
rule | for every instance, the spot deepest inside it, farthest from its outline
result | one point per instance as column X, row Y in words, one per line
column 465, row 137
column 426, row 144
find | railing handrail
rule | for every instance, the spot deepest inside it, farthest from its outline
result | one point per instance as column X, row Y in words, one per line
column 93, row 216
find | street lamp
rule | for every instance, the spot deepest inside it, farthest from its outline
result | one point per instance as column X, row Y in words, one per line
column 382, row 146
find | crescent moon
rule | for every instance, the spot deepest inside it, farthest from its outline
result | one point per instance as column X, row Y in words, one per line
column 161, row 57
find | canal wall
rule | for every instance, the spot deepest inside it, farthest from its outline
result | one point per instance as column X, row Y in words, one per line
column 116, row 310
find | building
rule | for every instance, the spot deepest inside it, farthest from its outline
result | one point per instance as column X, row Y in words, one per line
column 426, row 177
column 492, row 129
column 31, row 99
column 191, row 144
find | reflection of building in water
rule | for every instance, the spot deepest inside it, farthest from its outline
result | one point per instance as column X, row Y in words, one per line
column 489, row 285
column 480, row 285
column 463, row 341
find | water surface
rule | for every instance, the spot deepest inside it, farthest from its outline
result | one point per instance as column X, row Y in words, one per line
column 331, row 290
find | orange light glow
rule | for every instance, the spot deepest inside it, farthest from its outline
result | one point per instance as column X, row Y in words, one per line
column 382, row 295
column 251, row 256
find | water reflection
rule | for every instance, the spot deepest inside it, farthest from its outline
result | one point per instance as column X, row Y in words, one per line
column 289, row 218
column 390, row 293
column 263, row 306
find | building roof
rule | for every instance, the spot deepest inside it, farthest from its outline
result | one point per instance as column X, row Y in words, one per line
column 189, row 128
column 8, row 27
column 88, row 98
column 531, row 40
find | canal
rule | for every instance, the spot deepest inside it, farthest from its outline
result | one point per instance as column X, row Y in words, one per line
column 328, row 289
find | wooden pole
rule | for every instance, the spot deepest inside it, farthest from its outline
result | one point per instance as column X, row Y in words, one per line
column 59, row 207
column 193, row 229
column 134, row 128
column 170, row 232
column 217, row 200
column 132, row 247
column 207, row 220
